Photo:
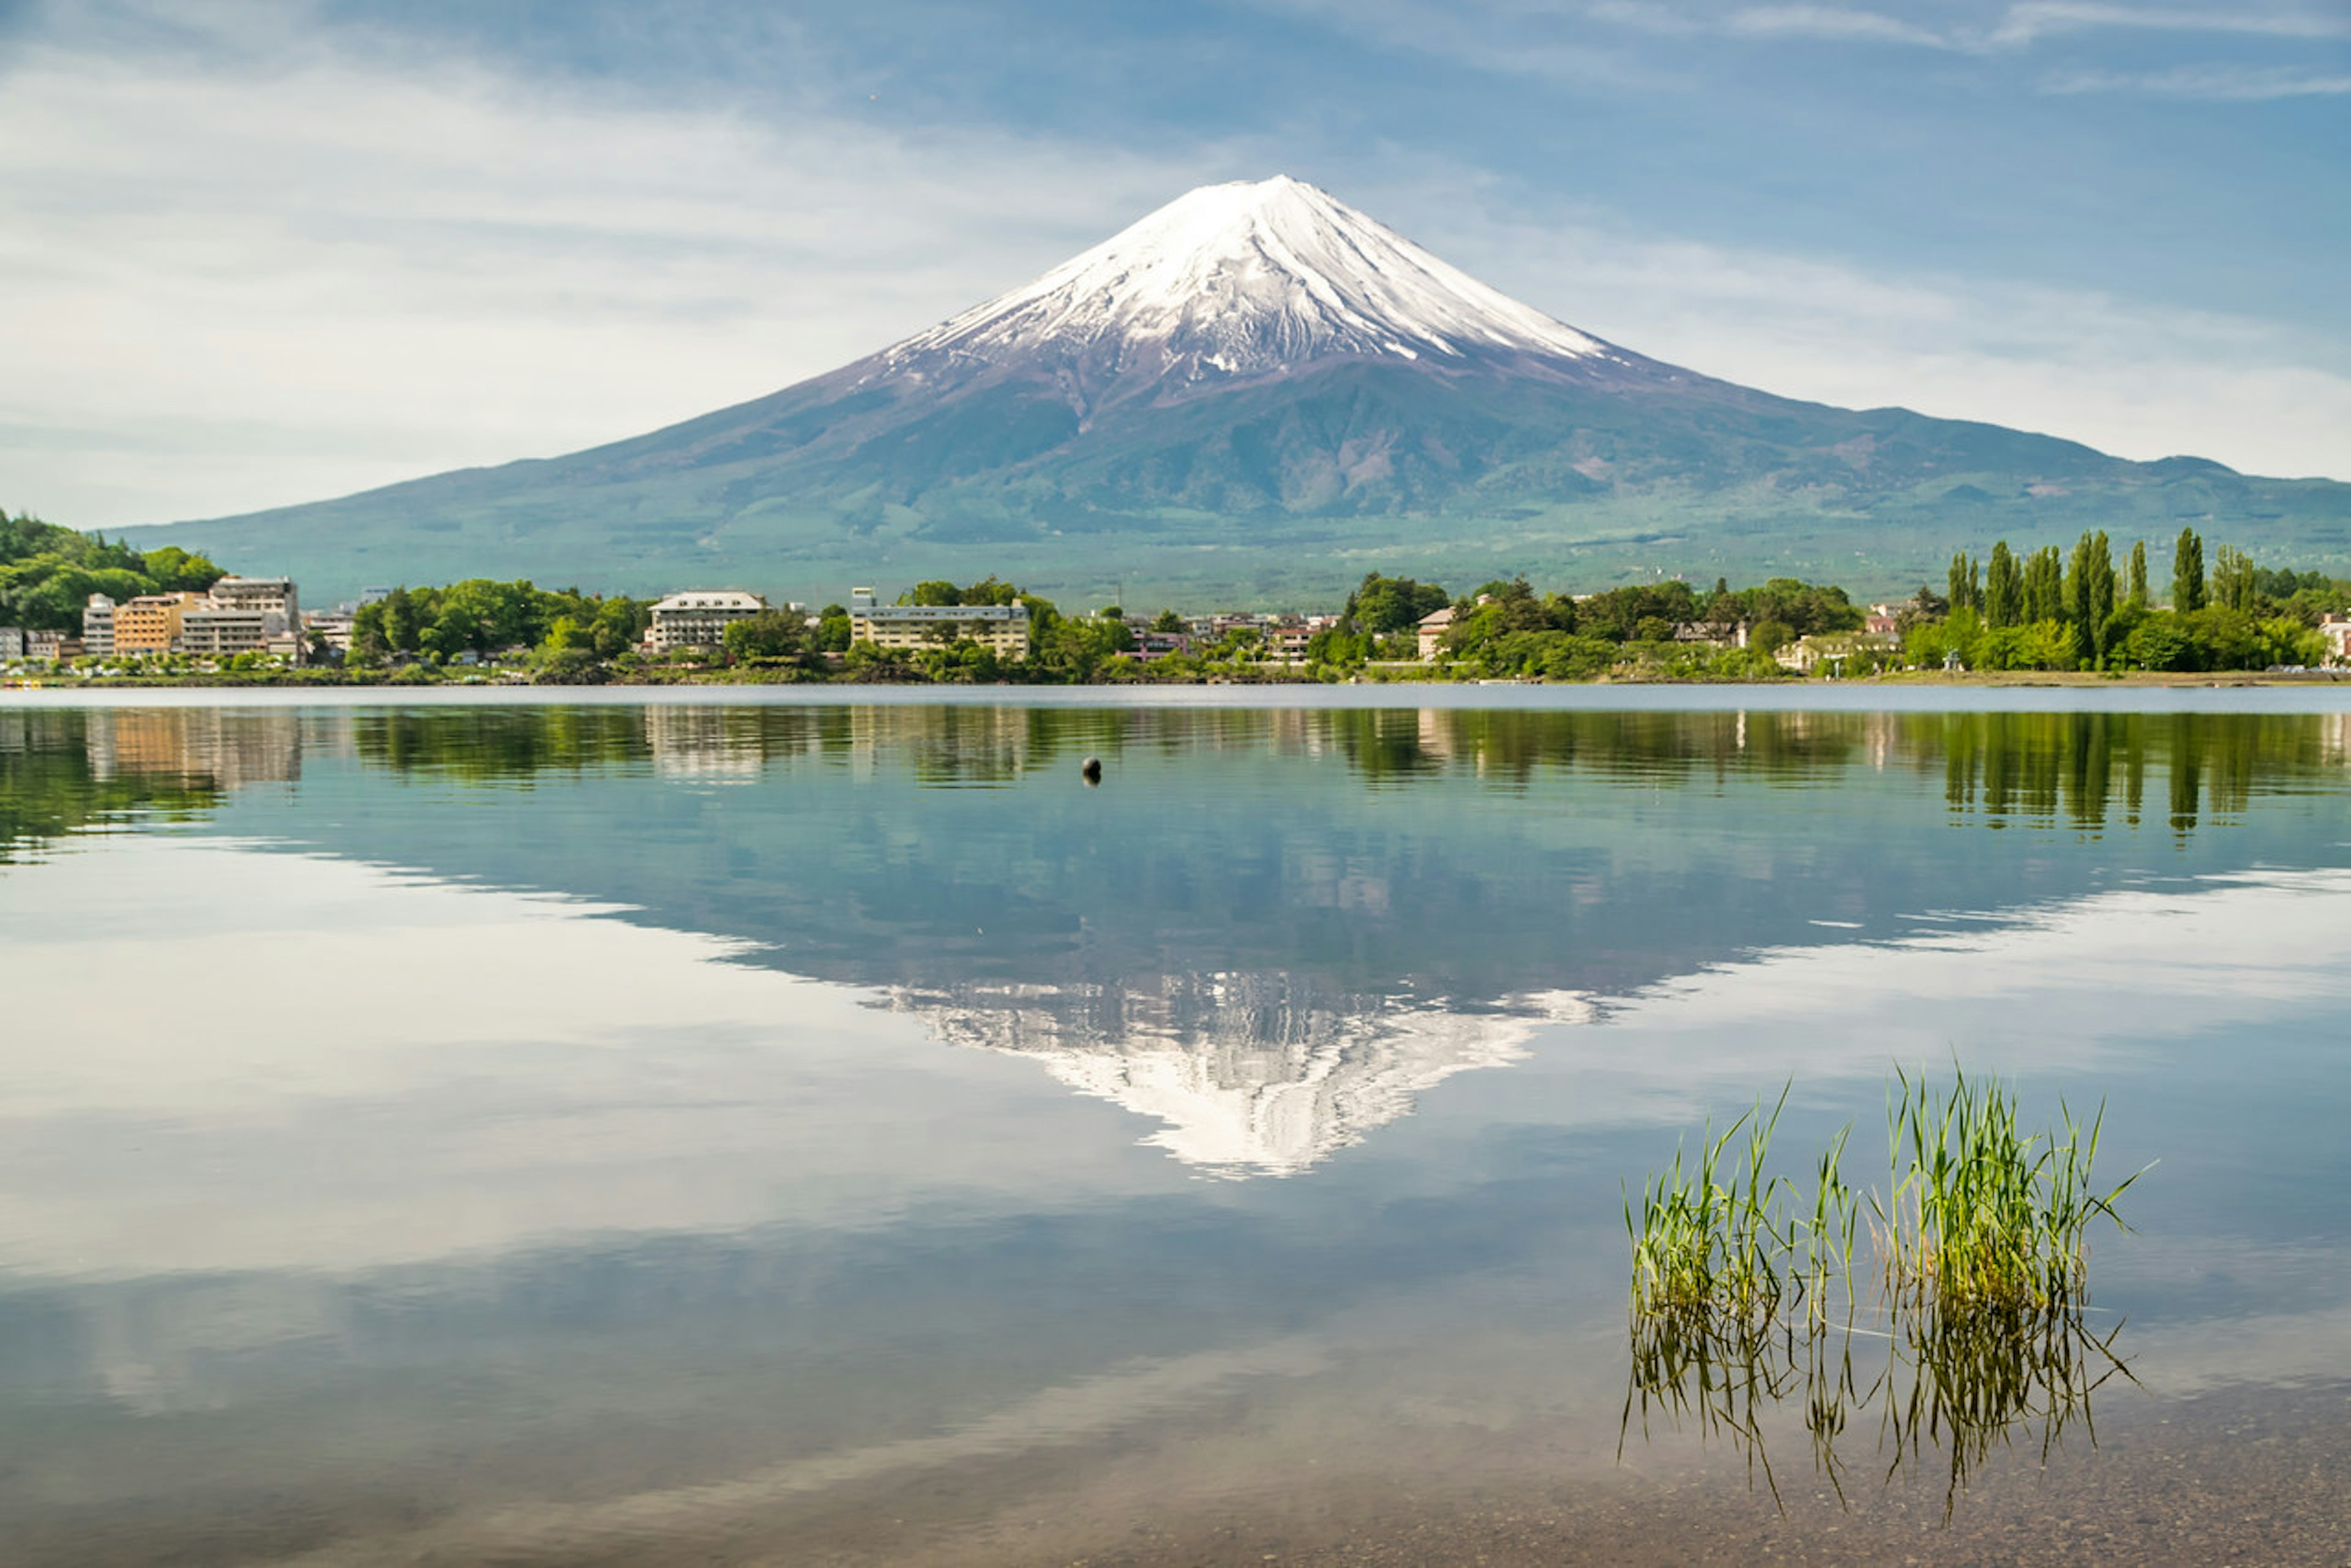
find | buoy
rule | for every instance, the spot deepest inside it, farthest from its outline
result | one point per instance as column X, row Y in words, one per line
column 1091, row 770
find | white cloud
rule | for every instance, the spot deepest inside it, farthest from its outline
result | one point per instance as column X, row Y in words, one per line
column 2027, row 24
column 241, row 284
column 2217, row 84
column 2017, row 26
column 2139, row 380
column 1831, row 22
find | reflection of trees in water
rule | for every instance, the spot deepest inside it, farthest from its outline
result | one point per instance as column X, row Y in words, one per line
column 67, row 770
column 2082, row 768
column 498, row 744
column 1950, row 1386
column 2087, row 770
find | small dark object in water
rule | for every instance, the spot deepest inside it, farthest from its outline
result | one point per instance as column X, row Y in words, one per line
column 1091, row 771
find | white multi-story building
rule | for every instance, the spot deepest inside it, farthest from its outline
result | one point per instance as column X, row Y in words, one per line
column 1003, row 628
column 219, row 629
column 272, row 597
column 98, row 626
column 698, row 618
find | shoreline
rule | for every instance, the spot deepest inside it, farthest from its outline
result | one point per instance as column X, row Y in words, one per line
column 403, row 681
column 2324, row 698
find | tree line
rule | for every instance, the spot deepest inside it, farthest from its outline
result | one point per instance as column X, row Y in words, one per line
column 47, row 572
column 1506, row 628
column 482, row 617
column 2083, row 611
column 571, row 636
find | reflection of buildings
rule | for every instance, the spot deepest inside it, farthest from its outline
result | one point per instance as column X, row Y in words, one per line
column 943, row 745
column 700, row 742
column 1251, row 1074
column 228, row 747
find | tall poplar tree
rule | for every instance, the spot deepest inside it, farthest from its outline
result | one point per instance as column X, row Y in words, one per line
column 2232, row 578
column 1966, row 583
column 2188, row 573
column 2090, row 597
column 2004, row 587
column 2139, row 575
column 2044, row 585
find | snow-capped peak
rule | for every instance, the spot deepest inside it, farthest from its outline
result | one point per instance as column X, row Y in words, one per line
column 1248, row 278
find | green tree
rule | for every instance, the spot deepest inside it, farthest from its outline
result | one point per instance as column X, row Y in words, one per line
column 1381, row 605
column 772, row 636
column 2004, row 587
column 1966, row 583
column 2187, row 574
column 2090, row 597
column 2233, row 580
column 2045, row 586
column 174, row 571
column 400, row 620
column 2139, row 575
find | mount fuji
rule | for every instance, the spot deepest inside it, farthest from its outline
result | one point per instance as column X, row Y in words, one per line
column 1255, row 394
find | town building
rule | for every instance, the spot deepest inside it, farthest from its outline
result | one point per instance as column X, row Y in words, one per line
column 1712, row 634
column 1840, row 651
column 12, row 642
column 1432, row 630
column 98, row 626
column 217, row 631
column 238, row 615
column 151, row 622
column 272, row 597
column 52, row 646
column 698, row 618
column 333, row 625
column 1003, row 628
column 2336, row 629
column 1286, row 640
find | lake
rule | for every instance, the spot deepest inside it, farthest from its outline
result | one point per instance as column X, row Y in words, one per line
column 645, row 1128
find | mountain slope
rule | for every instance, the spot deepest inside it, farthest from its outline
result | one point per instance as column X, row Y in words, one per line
column 1257, row 393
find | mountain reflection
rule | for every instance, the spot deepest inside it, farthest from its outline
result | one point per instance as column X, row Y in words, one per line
column 1251, row 1074
column 1271, row 928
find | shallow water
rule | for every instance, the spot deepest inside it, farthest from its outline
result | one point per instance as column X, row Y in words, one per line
column 792, row 1131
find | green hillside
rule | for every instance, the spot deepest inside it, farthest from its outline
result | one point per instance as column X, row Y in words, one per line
column 1281, row 492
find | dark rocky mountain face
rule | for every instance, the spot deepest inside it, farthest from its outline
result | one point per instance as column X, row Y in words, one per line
column 1256, row 395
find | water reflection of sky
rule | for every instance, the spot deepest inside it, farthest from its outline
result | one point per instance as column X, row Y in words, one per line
column 604, row 1095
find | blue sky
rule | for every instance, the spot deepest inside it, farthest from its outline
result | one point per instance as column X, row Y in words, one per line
column 261, row 252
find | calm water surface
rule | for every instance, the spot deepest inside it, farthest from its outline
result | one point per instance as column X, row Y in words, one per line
column 805, row 1132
